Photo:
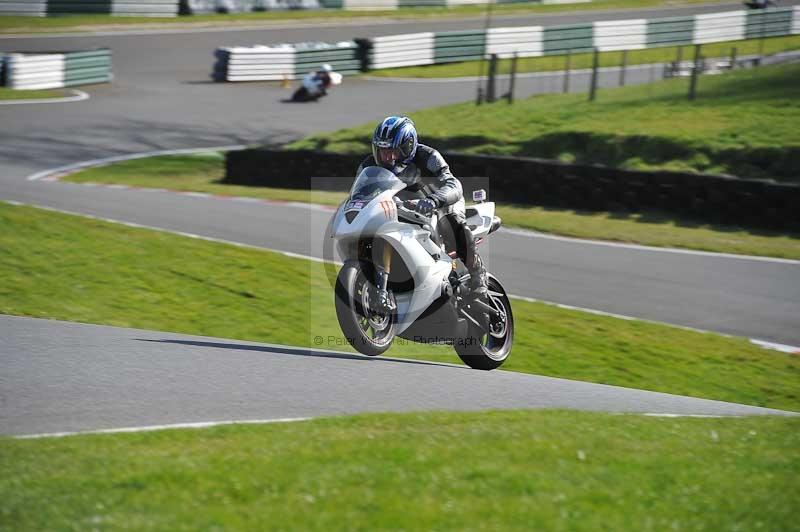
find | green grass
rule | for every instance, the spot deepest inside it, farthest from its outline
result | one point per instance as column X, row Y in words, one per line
column 508, row 470
column 742, row 123
column 584, row 60
column 654, row 228
column 14, row 24
column 203, row 173
column 72, row 268
column 17, row 94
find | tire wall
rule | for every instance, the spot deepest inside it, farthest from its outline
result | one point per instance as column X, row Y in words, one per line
column 527, row 181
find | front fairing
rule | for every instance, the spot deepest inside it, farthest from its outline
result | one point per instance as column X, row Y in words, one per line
column 369, row 207
column 371, row 213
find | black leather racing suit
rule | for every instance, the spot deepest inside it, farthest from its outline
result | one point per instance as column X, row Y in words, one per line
column 429, row 176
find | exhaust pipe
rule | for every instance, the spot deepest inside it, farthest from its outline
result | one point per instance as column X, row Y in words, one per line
column 496, row 223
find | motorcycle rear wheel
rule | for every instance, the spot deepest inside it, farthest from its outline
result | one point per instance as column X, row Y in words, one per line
column 486, row 351
column 369, row 332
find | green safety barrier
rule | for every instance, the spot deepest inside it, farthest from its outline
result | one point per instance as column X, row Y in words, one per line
column 670, row 31
column 84, row 68
column 425, row 48
column 458, row 46
column 770, row 23
column 569, row 38
column 343, row 59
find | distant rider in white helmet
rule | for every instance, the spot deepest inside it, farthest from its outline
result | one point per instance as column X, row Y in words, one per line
column 323, row 78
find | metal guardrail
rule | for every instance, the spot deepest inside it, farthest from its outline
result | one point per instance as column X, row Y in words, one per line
column 283, row 61
column 85, row 68
column 166, row 8
column 35, row 71
column 57, row 70
column 531, row 41
column 42, row 8
column 31, row 8
column 288, row 61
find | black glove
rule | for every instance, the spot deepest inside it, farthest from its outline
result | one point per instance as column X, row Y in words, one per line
column 426, row 206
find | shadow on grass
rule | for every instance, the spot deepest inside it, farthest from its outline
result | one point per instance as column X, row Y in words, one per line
column 297, row 351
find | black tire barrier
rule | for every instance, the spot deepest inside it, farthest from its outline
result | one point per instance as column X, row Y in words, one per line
column 540, row 182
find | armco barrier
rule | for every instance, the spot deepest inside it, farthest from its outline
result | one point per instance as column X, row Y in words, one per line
column 343, row 57
column 197, row 7
column 145, row 8
column 41, row 8
column 402, row 50
column 458, row 46
column 673, row 31
column 416, row 49
column 283, row 61
column 768, row 23
column 796, row 20
column 718, row 27
column 57, row 70
column 35, row 71
column 550, row 183
column 443, row 47
column 620, row 35
column 559, row 40
column 254, row 63
column 525, row 41
column 30, row 8
column 84, row 68
column 162, row 8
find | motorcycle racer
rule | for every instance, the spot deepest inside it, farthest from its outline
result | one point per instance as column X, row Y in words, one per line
column 395, row 147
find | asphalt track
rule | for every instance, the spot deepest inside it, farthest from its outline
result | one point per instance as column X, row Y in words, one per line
column 162, row 99
column 89, row 377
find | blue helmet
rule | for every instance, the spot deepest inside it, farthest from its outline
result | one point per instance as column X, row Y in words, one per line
column 394, row 143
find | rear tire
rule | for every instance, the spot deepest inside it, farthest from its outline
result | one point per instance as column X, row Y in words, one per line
column 300, row 95
column 485, row 351
column 369, row 333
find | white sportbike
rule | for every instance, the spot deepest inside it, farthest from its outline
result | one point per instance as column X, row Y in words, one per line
column 400, row 279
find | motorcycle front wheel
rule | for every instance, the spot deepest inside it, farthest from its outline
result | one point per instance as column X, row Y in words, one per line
column 370, row 332
column 488, row 350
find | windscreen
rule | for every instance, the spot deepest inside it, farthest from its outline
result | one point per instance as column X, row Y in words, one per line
column 372, row 181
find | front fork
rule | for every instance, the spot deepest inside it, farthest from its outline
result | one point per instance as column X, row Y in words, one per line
column 382, row 270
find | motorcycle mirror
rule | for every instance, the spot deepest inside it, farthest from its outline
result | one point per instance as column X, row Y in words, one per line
column 479, row 196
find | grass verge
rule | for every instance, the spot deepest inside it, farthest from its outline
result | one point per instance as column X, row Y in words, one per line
column 72, row 268
column 203, row 172
column 742, row 123
column 15, row 24
column 16, row 94
column 508, row 470
column 607, row 59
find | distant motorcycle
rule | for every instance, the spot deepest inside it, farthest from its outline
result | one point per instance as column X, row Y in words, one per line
column 399, row 278
column 315, row 85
